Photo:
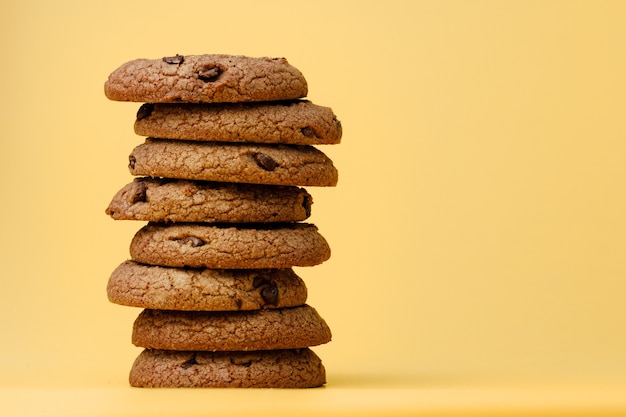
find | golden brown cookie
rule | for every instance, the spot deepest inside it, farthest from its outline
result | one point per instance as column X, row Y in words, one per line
column 284, row 328
column 293, row 368
column 167, row 200
column 211, row 78
column 219, row 246
column 155, row 287
column 296, row 165
column 288, row 122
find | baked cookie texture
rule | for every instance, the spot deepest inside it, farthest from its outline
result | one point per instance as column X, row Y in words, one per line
column 155, row 287
column 269, row 329
column 219, row 246
column 288, row 122
column 295, row 165
column 169, row 200
column 211, row 78
column 293, row 368
column 229, row 142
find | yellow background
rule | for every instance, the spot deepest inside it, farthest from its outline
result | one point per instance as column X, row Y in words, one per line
column 478, row 227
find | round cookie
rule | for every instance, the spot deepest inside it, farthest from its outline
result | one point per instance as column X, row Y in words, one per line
column 211, row 78
column 220, row 246
column 296, row 165
column 289, row 122
column 284, row 328
column 155, row 287
column 293, row 368
column 166, row 200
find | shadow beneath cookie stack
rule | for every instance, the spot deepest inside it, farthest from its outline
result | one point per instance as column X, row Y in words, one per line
column 230, row 142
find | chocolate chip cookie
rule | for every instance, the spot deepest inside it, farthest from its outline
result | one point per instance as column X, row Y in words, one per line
column 155, row 287
column 289, row 122
column 293, row 368
column 219, row 246
column 269, row 329
column 213, row 78
column 296, row 165
column 168, row 200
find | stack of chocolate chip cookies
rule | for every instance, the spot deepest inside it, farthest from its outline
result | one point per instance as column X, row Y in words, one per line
column 230, row 144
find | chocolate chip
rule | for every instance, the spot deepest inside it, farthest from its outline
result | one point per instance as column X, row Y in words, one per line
column 192, row 241
column 306, row 203
column 270, row 294
column 268, row 289
column 264, row 161
column 190, row 362
column 209, row 74
column 308, row 132
column 145, row 110
column 177, row 59
column 131, row 162
column 337, row 124
column 259, row 282
column 139, row 193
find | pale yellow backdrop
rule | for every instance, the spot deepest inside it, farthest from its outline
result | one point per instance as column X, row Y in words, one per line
column 478, row 227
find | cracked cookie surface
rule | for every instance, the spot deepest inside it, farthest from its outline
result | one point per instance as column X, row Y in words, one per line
column 284, row 328
column 210, row 78
column 293, row 368
column 255, row 246
column 166, row 200
column 295, row 165
column 292, row 122
column 154, row 287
